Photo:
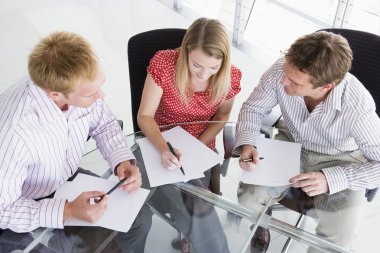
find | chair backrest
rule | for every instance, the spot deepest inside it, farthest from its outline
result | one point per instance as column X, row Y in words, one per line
column 366, row 63
column 365, row 66
column 141, row 48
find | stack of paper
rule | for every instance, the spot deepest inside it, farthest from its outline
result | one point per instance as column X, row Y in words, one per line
column 122, row 208
column 281, row 162
column 196, row 158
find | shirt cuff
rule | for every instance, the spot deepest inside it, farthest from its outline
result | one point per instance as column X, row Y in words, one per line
column 51, row 213
column 243, row 139
column 121, row 156
column 336, row 179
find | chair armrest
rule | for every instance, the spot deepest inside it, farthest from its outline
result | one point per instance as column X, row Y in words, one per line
column 120, row 123
column 370, row 194
column 228, row 140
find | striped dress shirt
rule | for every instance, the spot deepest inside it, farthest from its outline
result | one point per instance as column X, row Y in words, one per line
column 41, row 147
column 345, row 121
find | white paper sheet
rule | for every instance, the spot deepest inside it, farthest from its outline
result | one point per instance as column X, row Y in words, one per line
column 281, row 162
column 122, row 207
column 196, row 158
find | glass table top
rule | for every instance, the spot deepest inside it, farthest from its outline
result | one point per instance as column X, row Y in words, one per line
column 210, row 222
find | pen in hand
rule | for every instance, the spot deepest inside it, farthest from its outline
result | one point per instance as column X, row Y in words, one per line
column 172, row 150
column 245, row 160
column 115, row 187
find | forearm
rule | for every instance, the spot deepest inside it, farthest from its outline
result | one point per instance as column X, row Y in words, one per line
column 108, row 136
column 213, row 128
column 26, row 215
column 356, row 177
column 151, row 130
column 247, row 127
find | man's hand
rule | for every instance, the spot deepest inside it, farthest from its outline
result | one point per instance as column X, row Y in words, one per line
column 81, row 208
column 133, row 182
column 312, row 183
column 248, row 151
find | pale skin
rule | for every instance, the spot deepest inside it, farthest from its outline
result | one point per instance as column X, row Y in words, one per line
column 84, row 94
column 297, row 83
column 201, row 67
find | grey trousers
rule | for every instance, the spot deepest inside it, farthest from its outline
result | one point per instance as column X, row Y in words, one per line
column 338, row 215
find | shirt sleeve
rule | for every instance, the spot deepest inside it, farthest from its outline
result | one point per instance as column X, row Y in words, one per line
column 235, row 82
column 108, row 135
column 259, row 104
column 16, row 213
column 366, row 174
column 159, row 65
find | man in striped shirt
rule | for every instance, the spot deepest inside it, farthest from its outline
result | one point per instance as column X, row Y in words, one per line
column 333, row 116
column 45, row 121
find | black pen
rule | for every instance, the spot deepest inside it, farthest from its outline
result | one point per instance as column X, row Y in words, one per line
column 172, row 150
column 115, row 187
column 244, row 160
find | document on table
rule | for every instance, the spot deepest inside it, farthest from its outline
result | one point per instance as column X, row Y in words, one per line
column 196, row 158
column 122, row 207
column 281, row 162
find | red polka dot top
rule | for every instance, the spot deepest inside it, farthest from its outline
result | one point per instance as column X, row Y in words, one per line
column 171, row 110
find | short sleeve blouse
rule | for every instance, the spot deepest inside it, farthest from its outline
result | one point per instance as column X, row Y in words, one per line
column 171, row 109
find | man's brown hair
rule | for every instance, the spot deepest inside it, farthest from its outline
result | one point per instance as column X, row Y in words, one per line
column 326, row 57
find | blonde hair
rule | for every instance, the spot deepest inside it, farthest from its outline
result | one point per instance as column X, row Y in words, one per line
column 211, row 37
column 325, row 56
column 60, row 60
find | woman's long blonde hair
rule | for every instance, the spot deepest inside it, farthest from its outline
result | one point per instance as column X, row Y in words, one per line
column 211, row 37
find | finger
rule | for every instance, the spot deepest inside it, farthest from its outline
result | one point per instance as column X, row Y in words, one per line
column 171, row 165
column 304, row 183
column 313, row 193
column 93, row 194
column 121, row 172
column 104, row 199
column 174, row 161
column 132, row 186
column 133, row 175
column 179, row 154
column 308, row 188
column 248, row 166
column 256, row 159
column 300, row 177
column 97, row 199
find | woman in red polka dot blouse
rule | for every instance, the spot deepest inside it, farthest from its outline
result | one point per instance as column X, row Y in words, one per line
column 195, row 82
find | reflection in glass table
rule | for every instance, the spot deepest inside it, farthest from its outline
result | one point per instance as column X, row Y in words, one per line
column 210, row 222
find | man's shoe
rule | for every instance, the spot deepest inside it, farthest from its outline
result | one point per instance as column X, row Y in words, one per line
column 260, row 240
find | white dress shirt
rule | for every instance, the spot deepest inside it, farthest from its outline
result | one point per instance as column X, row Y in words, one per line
column 345, row 121
column 41, row 147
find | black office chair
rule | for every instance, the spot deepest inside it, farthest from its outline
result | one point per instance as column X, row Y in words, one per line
column 141, row 48
column 365, row 67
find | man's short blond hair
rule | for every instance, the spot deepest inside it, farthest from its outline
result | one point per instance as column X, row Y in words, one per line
column 60, row 60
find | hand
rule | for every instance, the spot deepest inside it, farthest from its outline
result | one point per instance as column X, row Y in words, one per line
column 312, row 183
column 81, row 208
column 248, row 151
column 170, row 161
column 132, row 172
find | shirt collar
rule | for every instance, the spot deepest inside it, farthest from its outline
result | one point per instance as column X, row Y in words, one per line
column 333, row 100
column 49, row 110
